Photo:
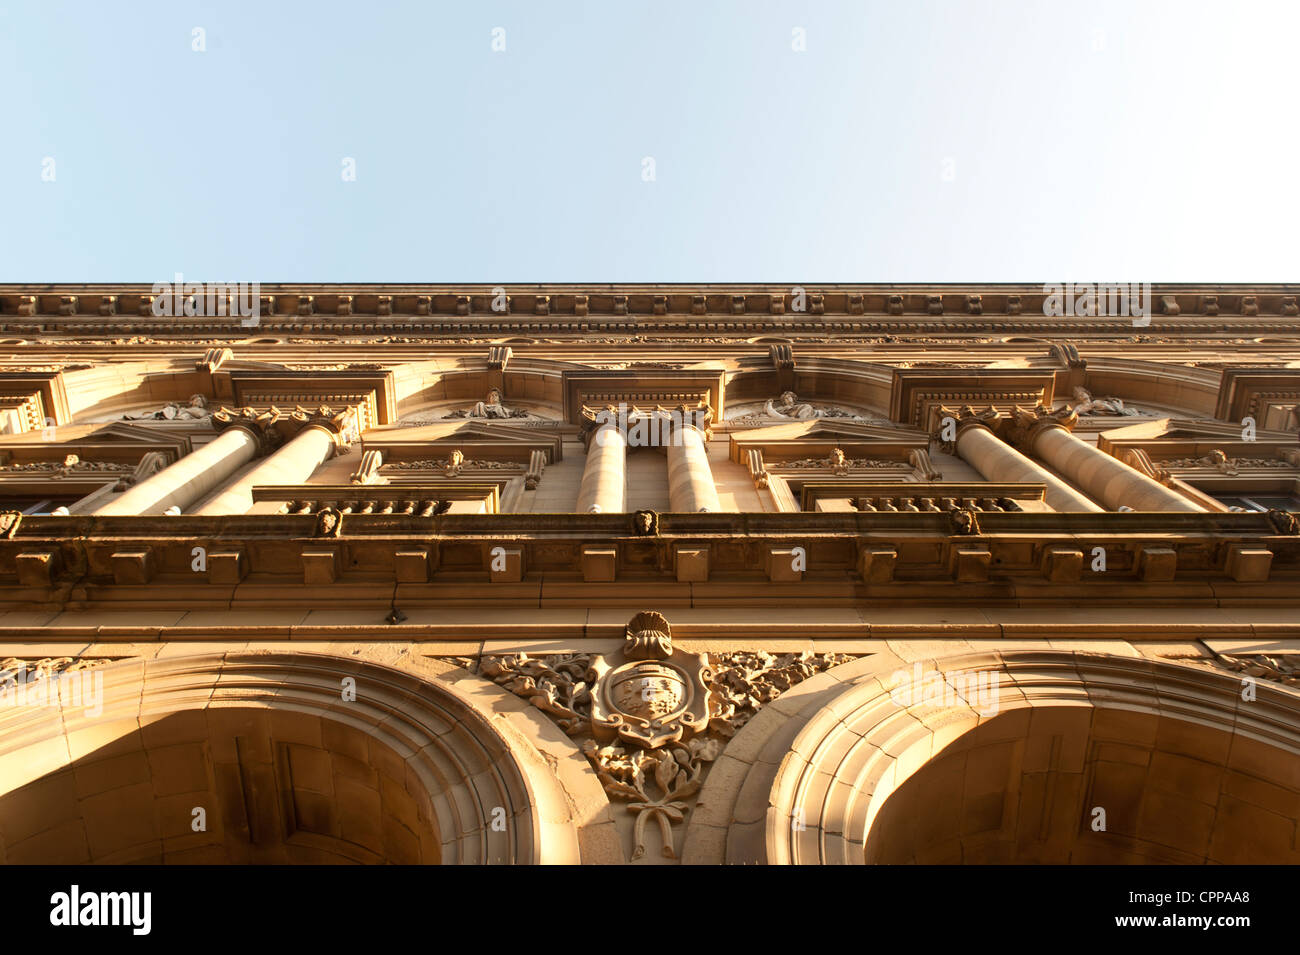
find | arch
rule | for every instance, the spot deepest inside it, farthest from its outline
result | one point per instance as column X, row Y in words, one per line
column 851, row 382
column 929, row 761
column 462, row 790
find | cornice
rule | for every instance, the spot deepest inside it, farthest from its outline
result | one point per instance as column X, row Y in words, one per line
column 506, row 308
column 875, row 558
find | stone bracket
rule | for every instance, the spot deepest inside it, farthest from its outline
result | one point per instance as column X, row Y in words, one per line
column 1062, row 564
column 227, row 566
column 498, row 359
column 504, row 563
column 1247, row 564
column 320, row 566
column 133, row 567
column 876, row 564
column 415, row 566
column 970, row 563
column 782, row 357
column 38, row 568
column 1156, row 563
column 599, row 564
column 691, row 563
column 786, row 564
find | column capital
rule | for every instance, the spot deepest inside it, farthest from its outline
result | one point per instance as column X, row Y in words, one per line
column 593, row 420
column 1026, row 425
column 341, row 424
column 260, row 424
column 966, row 417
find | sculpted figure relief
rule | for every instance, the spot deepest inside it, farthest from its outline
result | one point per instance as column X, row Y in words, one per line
column 789, row 406
column 196, row 410
column 491, row 408
column 1086, row 404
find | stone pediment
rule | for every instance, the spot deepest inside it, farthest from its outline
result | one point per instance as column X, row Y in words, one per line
column 476, row 438
column 1176, row 438
column 818, row 437
column 919, row 394
column 372, row 390
column 39, row 395
column 841, row 445
column 644, row 388
column 116, row 442
column 1269, row 395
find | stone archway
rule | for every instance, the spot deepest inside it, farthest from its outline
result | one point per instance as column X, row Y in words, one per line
column 293, row 757
column 1006, row 757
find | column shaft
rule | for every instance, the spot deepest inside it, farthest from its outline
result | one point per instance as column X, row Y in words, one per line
column 604, row 476
column 189, row 479
column 1105, row 478
column 690, row 479
column 292, row 464
column 1000, row 462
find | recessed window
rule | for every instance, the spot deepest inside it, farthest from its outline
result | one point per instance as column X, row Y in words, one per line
column 1260, row 502
column 36, row 505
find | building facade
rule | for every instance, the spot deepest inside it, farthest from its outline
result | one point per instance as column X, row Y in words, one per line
column 649, row 574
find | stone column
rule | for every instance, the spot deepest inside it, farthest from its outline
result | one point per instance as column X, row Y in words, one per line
column 292, row 464
column 690, row 479
column 604, row 477
column 1107, row 479
column 191, row 478
column 999, row 462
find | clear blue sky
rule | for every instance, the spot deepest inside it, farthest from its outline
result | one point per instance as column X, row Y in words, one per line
column 1003, row 140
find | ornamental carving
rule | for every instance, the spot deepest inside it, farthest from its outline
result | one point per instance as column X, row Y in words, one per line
column 196, row 410
column 44, row 667
column 788, row 405
column 1086, row 404
column 919, row 458
column 341, row 424
column 449, row 467
column 653, row 718
column 1279, row 668
column 1221, row 462
column 491, row 407
column 963, row 522
column 329, row 523
column 1284, row 522
column 69, row 465
column 645, row 523
column 651, row 695
column 259, row 423
column 965, row 418
column 837, row 463
column 1027, row 425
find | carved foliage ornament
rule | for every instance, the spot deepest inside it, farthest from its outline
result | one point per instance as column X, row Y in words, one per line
column 655, row 717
